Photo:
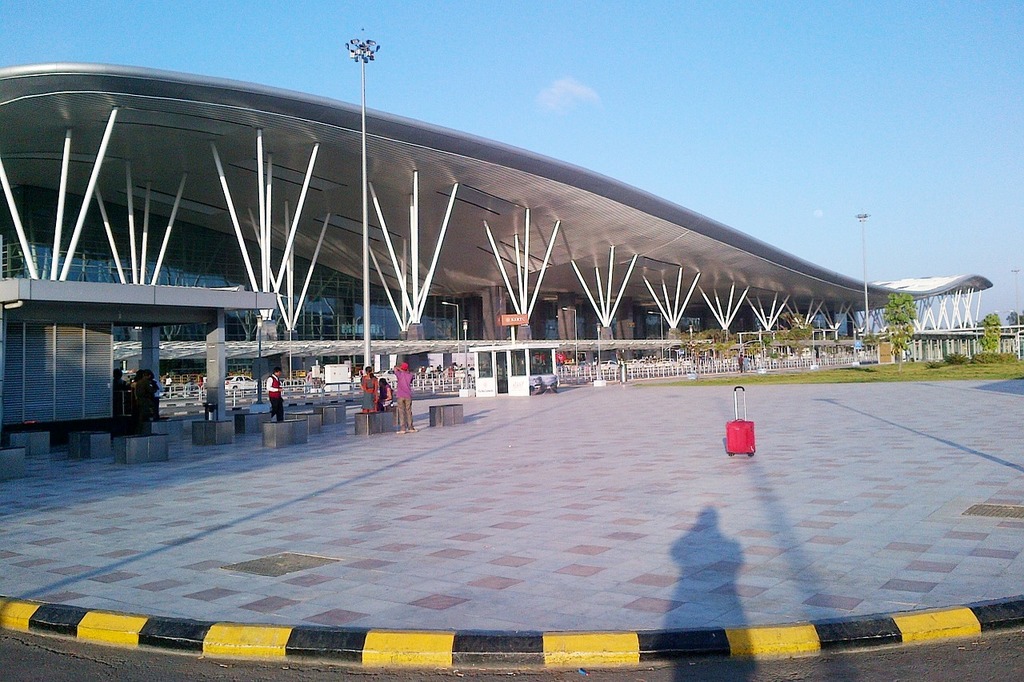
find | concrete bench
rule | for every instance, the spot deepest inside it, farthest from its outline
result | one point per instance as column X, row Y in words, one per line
column 369, row 423
column 140, row 449
column 89, row 444
column 12, row 463
column 250, row 422
column 330, row 414
column 314, row 421
column 34, row 442
column 213, row 432
column 174, row 429
column 283, row 434
column 446, row 415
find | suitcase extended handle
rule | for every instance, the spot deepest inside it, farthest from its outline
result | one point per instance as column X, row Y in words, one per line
column 736, row 393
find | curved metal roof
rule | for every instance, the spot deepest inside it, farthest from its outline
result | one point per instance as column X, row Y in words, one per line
column 166, row 122
column 923, row 287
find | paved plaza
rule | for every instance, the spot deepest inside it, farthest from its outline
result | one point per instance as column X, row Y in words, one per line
column 593, row 509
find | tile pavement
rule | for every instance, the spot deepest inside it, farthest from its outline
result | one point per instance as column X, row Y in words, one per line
column 612, row 508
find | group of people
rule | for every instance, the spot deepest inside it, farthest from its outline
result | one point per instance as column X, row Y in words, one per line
column 380, row 396
column 137, row 402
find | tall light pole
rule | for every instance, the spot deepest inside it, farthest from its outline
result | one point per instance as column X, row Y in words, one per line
column 661, row 327
column 363, row 51
column 863, row 218
column 575, row 339
column 1016, row 306
column 457, row 318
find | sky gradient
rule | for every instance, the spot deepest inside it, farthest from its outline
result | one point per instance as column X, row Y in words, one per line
column 782, row 120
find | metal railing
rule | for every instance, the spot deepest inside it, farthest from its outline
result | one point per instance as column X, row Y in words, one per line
column 585, row 374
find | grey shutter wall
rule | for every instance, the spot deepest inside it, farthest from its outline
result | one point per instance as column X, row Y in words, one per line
column 57, row 372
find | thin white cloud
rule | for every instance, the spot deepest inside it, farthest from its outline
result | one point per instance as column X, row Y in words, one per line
column 565, row 94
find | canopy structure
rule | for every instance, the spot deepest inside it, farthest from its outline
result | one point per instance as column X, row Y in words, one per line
column 452, row 215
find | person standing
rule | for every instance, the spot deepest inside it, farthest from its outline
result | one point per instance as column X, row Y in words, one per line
column 385, row 396
column 403, row 394
column 368, row 383
column 143, row 399
column 275, row 395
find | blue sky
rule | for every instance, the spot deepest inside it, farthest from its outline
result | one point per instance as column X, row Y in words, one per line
column 781, row 119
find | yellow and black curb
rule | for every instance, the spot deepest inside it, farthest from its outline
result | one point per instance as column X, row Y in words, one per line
column 435, row 648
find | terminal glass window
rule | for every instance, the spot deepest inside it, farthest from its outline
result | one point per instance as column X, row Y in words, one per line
column 540, row 361
column 485, row 370
column 519, row 363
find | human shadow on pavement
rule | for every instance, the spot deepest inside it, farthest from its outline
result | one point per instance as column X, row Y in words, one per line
column 708, row 562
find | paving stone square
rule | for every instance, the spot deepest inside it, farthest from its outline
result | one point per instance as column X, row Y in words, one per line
column 611, row 508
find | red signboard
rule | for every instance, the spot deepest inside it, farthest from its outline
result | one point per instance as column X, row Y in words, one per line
column 513, row 320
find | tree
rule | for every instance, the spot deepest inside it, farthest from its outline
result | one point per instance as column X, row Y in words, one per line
column 990, row 338
column 1012, row 319
column 900, row 313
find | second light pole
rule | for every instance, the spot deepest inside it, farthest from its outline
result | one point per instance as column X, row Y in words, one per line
column 863, row 218
column 458, row 341
column 363, row 51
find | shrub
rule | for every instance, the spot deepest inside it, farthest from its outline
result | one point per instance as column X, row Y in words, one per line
column 934, row 365
column 993, row 358
column 956, row 359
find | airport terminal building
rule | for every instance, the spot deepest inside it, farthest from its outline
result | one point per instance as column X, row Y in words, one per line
column 164, row 208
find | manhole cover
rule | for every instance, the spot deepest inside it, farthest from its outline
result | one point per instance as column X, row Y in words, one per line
column 1002, row 511
column 280, row 564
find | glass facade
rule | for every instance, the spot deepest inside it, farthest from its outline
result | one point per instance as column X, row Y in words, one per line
column 199, row 257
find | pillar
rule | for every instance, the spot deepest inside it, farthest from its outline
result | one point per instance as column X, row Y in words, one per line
column 216, row 361
column 150, row 338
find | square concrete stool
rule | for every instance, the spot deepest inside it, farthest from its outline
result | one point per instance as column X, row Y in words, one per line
column 314, row 421
column 174, row 429
column 446, row 415
column 209, row 432
column 140, row 449
column 34, row 442
column 250, row 422
column 88, row 444
column 369, row 423
column 12, row 463
column 283, row 434
column 330, row 414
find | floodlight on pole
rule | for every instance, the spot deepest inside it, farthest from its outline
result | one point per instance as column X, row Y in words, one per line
column 575, row 337
column 363, row 51
column 863, row 218
column 1016, row 306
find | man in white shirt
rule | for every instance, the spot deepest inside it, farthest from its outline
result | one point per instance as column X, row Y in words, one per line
column 274, row 393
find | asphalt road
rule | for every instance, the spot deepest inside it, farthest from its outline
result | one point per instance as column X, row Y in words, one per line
column 989, row 658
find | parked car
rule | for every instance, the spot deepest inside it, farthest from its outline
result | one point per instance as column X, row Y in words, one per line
column 239, row 383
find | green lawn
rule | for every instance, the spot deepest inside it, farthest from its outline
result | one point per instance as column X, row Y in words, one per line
column 913, row 371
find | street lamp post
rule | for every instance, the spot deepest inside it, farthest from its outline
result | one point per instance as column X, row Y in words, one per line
column 363, row 51
column 599, row 381
column 458, row 341
column 1016, row 307
column 661, row 328
column 457, row 318
column 575, row 339
column 863, row 218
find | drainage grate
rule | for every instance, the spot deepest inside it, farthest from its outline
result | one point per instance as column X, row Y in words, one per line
column 1002, row 511
column 280, row 564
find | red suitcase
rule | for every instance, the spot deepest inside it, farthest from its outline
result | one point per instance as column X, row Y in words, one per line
column 739, row 433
